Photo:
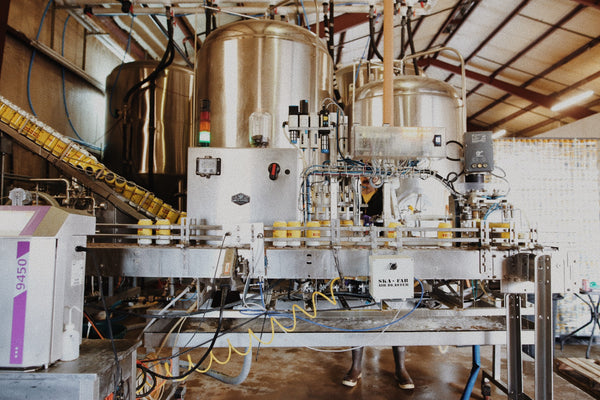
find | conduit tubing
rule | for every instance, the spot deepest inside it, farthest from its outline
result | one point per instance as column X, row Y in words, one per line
column 234, row 380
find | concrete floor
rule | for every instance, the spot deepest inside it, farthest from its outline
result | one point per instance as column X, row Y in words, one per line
column 299, row 373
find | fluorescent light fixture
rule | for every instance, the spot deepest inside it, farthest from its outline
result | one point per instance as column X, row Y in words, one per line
column 499, row 134
column 572, row 100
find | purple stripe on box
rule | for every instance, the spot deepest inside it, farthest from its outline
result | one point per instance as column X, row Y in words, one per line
column 35, row 221
column 18, row 328
column 17, row 337
column 22, row 249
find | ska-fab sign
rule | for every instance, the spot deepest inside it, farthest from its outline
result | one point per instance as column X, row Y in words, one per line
column 391, row 277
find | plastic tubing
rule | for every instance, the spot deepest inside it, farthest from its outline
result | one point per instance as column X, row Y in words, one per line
column 234, row 380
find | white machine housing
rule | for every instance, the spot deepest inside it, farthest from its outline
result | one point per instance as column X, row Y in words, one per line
column 43, row 282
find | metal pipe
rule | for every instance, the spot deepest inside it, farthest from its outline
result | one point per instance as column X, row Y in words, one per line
column 463, row 89
column 171, row 303
column 64, row 180
column 48, row 198
column 388, row 62
column 233, row 10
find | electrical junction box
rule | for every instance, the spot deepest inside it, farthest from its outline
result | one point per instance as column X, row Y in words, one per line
column 392, row 277
column 43, row 277
column 479, row 152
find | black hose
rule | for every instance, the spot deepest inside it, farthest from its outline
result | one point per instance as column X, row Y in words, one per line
column 336, row 90
column 410, row 39
column 326, row 30
column 208, row 19
column 331, row 31
column 372, row 44
column 165, row 61
column 206, row 353
column 147, row 392
column 402, row 38
column 143, row 383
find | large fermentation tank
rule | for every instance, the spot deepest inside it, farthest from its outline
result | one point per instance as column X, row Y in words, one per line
column 260, row 66
column 157, row 155
column 419, row 101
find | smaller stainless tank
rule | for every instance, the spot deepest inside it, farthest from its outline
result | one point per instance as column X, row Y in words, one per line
column 418, row 102
column 161, row 151
column 354, row 76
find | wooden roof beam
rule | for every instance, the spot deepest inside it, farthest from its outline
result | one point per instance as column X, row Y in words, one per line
column 343, row 22
column 577, row 112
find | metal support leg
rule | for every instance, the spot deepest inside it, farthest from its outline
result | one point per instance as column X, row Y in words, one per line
column 593, row 307
column 496, row 377
column 544, row 342
column 497, row 362
column 513, row 342
column 594, row 311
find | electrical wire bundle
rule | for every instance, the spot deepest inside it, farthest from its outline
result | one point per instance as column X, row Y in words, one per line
column 147, row 385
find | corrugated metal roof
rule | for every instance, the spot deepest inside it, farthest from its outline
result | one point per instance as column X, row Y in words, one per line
column 540, row 48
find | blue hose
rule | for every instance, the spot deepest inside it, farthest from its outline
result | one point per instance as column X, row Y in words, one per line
column 37, row 37
column 474, row 373
column 64, row 96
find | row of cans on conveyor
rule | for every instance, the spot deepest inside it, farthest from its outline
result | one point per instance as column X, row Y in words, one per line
column 71, row 153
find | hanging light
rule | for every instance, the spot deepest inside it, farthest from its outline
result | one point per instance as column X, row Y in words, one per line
column 572, row 100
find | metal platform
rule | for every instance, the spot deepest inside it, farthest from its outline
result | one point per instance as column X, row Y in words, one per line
column 90, row 377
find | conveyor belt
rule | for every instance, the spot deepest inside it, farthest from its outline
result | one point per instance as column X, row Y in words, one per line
column 72, row 160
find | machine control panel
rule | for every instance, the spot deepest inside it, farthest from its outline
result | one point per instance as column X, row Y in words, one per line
column 246, row 185
column 479, row 152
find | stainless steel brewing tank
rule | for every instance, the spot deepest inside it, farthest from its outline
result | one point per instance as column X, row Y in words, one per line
column 418, row 102
column 259, row 66
column 356, row 75
column 173, row 125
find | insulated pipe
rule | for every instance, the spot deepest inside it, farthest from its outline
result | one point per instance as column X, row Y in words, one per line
column 234, row 380
column 388, row 62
